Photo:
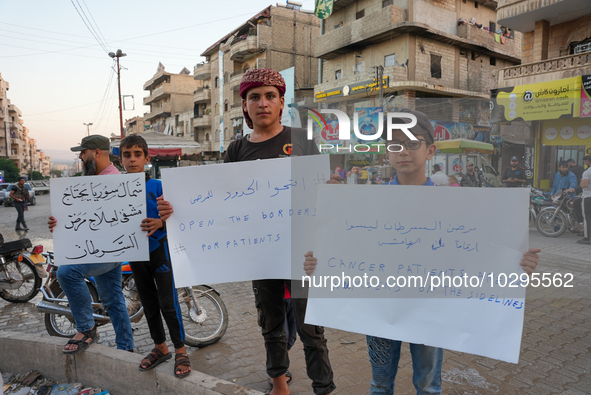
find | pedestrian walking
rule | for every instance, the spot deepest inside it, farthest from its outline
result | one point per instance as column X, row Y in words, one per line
column 20, row 195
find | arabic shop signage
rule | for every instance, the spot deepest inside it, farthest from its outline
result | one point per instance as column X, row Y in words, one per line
column 351, row 89
column 540, row 101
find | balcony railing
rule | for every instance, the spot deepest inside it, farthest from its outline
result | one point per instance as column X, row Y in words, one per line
column 236, row 112
column 161, row 91
column 202, row 95
column 244, row 49
column 511, row 47
column 364, row 30
column 545, row 70
column 202, row 121
column 235, row 79
column 202, row 71
column 159, row 111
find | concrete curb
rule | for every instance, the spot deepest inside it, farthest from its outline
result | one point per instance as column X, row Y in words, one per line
column 106, row 367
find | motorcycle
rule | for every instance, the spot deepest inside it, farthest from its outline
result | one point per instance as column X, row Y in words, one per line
column 537, row 201
column 21, row 272
column 555, row 220
column 204, row 313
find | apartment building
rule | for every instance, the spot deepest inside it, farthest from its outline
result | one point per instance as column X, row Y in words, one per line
column 15, row 142
column 276, row 38
column 548, row 96
column 171, row 102
column 437, row 56
column 134, row 125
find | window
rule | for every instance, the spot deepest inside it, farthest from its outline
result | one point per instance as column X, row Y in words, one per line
column 492, row 26
column 338, row 75
column 580, row 47
column 435, row 66
column 216, row 82
column 475, row 5
column 473, row 57
column 359, row 68
column 390, row 60
column 360, row 14
column 386, row 3
column 206, row 136
column 226, row 77
column 493, row 61
column 226, row 106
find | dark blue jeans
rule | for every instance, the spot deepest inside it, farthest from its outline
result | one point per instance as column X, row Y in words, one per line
column 20, row 209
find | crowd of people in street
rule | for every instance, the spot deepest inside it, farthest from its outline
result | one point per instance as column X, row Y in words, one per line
column 262, row 93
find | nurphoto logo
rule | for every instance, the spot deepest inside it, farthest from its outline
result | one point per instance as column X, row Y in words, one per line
column 394, row 121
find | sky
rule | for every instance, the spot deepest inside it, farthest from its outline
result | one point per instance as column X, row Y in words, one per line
column 61, row 77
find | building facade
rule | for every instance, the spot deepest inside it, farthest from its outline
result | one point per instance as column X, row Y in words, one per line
column 135, row 125
column 435, row 56
column 170, row 100
column 15, row 142
column 276, row 38
column 548, row 96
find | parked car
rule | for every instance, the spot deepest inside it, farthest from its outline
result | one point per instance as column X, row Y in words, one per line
column 3, row 187
column 41, row 187
column 8, row 201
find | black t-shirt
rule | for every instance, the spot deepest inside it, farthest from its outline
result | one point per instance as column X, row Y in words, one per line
column 518, row 173
column 577, row 171
column 290, row 141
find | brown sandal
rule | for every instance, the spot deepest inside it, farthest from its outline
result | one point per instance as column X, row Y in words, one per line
column 154, row 358
column 181, row 359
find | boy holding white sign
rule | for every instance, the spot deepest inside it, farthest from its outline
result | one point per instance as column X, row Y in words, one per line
column 384, row 354
column 262, row 103
column 154, row 278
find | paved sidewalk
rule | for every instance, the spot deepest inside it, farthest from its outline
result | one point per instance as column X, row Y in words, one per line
column 555, row 351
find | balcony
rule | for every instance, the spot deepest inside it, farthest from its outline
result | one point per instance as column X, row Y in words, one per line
column 545, row 70
column 206, row 146
column 202, row 71
column 371, row 29
column 235, row 79
column 157, row 79
column 483, row 38
column 162, row 111
column 236, row 111
column 522, row 14
column 202, row 121
column 202, row 95
column 158, row 93
column 245, row 49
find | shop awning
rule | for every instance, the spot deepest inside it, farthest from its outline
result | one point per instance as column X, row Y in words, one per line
column 162, row 146
column 463, row 146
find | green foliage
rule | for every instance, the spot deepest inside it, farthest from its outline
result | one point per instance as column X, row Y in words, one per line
column 11, row 172
column 37, row 175
column 57, row 173
column 78, row 174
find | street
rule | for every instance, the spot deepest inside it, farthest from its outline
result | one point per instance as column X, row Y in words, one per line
column 555, row 349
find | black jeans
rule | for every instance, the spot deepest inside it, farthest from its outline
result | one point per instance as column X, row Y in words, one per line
column 155, row 285
column 271, row 318
column 20, row 209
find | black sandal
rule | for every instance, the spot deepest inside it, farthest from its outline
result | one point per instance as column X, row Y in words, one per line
column 181, row 359
column 154, row 358
column 82, row 344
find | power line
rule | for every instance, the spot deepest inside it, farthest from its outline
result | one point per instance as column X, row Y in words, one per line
column 90, row 29
column 97, row 27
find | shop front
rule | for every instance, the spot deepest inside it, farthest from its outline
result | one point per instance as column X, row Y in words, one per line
column 558, row 113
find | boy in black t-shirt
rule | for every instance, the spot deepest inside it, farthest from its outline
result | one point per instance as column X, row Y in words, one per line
column 262, row 104
column 514, row 176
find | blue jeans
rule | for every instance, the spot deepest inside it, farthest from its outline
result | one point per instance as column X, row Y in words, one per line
column 107, row 277
column 384, row 355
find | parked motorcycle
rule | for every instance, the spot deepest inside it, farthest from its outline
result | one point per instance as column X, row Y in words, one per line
column 555, row 220
column 205, row 317
column 537, row 201
column 20, row 271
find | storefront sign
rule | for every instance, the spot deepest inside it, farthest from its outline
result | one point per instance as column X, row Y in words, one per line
column 358, row 87
column 540, row 101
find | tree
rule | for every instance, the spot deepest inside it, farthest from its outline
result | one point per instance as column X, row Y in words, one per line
column 37, row 175
column 55, row 172
column 11, row 172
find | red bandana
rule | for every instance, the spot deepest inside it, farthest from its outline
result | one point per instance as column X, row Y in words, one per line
column 260, row 77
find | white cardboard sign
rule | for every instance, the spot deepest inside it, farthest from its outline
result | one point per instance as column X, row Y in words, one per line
column 242, row 221
column 397, row 233
column 98, row 219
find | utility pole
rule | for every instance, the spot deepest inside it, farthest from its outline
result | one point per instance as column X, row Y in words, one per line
column 118, row 55
column 380, row 73
column 88, row 126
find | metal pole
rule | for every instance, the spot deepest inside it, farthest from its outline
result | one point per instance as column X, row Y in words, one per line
column 380, row 79
column 120, row 107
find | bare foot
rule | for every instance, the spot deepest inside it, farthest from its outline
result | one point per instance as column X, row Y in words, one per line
column 280, row 386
